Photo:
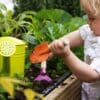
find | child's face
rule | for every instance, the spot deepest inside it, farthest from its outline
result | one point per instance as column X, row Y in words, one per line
column 93, row 20
column 94, row 23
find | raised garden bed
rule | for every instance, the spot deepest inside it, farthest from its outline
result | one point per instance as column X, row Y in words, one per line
column 43, row 87
column 47, row 90
column 70, row 89
column 65, row 85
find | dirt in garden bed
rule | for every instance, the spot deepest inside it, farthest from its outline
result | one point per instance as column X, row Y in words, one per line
column 45, row 87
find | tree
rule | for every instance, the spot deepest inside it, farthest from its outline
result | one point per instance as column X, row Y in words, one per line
column 71, row 6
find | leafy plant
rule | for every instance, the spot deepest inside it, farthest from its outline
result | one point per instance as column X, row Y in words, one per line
column 5, row 21
column 71, row 6
column 48, row 25
column 11, row 26
column 35, row 28
column 8, row 85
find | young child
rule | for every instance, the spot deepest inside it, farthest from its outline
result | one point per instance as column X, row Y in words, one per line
column 89, row 36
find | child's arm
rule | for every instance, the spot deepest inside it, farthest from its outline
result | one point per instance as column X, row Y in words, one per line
column 79, row 68
column 57, row 46
column 74, row 38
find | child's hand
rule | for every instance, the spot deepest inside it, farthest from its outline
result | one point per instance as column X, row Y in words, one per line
column 60, row 47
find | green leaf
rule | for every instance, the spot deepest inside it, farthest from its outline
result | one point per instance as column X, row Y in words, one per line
column 8, row 86
column 54, row 15
column 30, row 94
column 30, row 39
column 3, row 7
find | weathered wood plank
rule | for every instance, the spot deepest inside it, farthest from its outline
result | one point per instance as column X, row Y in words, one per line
column 70, row 89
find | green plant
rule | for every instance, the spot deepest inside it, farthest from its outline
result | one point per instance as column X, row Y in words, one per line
column 7, row 84
column 48, row 25
column 71, row 6
column 37, row 27
column 6, row 21
column 11, row 26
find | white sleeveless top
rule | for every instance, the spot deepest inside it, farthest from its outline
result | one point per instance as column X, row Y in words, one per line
column 91, row 45
column 91, row 91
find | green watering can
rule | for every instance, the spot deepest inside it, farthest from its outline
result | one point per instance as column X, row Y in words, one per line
column 12, row 56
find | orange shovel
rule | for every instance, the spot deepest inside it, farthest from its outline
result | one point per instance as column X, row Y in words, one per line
column 40, row 53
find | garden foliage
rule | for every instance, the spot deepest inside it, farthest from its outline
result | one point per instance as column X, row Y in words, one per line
column 37, row 27
column 70, row 6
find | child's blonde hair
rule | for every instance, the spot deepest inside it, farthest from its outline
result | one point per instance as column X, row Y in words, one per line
column 92, row 5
